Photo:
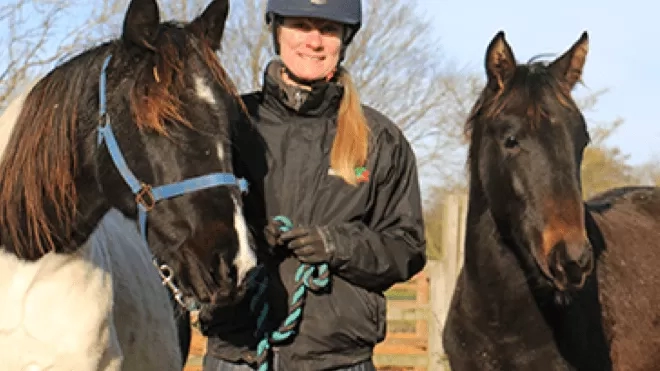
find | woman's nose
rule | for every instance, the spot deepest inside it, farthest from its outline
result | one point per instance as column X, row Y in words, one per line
column 314, row 39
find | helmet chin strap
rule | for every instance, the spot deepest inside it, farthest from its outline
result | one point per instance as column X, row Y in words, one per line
column 301, row 81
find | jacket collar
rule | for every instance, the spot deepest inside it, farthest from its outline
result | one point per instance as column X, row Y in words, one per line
column 322, row 101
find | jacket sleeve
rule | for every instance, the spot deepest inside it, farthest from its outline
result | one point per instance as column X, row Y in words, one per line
column 392, row 247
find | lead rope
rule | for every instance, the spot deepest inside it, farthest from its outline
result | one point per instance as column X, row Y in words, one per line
column 314, row 277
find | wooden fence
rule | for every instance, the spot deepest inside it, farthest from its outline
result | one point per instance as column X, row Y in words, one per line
column 416, row 310
column 410, row 325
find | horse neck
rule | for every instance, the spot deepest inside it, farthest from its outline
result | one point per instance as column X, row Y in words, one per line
column 91, row 205
column 496, row 313
column 492, row 272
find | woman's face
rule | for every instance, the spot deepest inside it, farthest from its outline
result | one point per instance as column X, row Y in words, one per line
column 310, row 47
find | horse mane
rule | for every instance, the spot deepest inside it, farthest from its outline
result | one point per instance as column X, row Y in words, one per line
column 38, row 196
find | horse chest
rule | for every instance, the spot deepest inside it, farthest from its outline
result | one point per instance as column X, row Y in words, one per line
column 484, row 332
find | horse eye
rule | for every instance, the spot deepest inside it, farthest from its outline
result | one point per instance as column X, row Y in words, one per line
column 510, row 142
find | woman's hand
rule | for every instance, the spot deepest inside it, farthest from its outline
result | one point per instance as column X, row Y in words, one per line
column 309, row 244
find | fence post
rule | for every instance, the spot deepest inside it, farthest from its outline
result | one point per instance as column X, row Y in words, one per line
column 443, row 274
column 435, row 352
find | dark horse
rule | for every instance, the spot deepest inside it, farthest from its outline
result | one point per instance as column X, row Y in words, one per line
column 142, row 125
column 549, row 282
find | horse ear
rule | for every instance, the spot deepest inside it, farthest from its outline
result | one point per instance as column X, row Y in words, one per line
column 210, row 25
column 141, row 22
column 500, row 62
column 568, row 67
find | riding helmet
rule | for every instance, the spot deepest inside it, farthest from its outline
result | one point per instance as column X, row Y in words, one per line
column 347, row 12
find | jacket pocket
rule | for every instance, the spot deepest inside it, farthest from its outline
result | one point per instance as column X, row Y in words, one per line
column 361, row 313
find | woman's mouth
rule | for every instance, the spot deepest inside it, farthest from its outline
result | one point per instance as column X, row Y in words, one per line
column 312, row 57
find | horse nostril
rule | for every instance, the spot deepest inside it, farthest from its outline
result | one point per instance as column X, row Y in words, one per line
column 586, row 258
column 570, row 263
column 578, row 253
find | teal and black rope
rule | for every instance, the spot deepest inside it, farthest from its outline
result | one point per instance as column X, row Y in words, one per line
column 314, row 277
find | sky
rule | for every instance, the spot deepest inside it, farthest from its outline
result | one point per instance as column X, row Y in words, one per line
column 624, row 52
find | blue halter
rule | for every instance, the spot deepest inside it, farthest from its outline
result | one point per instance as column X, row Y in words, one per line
column 146, row 196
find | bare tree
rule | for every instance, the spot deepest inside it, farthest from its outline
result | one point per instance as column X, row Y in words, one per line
column 396, row 61
column 42, row 32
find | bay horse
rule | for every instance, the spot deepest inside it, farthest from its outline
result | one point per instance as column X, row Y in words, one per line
column 119, row 209
column 549, row 281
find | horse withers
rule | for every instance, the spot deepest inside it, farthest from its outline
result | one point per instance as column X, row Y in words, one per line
column 548, row 281
column 135, row 129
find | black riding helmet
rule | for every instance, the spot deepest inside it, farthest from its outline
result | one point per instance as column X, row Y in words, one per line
column 347, row 12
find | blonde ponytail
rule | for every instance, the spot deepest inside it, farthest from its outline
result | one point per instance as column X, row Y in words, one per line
column 350, row 146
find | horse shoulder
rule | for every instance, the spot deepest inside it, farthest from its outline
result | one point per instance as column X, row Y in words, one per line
column 58, row 313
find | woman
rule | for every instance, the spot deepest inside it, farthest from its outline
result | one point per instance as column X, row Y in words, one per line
column 344, row 175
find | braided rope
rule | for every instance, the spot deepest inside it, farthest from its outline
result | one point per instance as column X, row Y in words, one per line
column 312, row 277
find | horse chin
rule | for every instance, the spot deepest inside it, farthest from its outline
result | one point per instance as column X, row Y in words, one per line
column 561, row 295
column 563, row 298
column 227, row 296
column 229, row 288
column 224, row 294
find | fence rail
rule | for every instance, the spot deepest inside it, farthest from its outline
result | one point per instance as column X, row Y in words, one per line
column 408, row 316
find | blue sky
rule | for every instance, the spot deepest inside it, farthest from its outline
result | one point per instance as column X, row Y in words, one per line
column 623, row 52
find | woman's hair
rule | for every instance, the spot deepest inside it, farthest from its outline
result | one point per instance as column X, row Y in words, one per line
column 351, row 144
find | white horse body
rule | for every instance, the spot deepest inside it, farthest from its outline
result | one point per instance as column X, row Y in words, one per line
column 101, row 309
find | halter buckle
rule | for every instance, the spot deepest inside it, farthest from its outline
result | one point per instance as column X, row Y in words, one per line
column 147, row 202
column 104, row 119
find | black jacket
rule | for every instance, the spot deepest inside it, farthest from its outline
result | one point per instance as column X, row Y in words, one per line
column 376, row 227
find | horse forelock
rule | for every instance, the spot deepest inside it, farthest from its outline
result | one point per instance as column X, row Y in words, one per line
column 532, row 92
column 155, row 94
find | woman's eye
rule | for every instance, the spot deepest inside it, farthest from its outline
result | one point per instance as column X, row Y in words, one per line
column 330, row 30
column 299, row 26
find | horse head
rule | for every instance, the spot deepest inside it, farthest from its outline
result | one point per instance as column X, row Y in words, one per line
column 527, row 138
column 142, row 124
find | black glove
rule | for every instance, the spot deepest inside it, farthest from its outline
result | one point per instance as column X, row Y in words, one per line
column 272, row 233
column 309, row 244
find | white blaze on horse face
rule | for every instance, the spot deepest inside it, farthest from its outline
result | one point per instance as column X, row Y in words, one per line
column 245, row 258
column 221, row 151
column 204, row 90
